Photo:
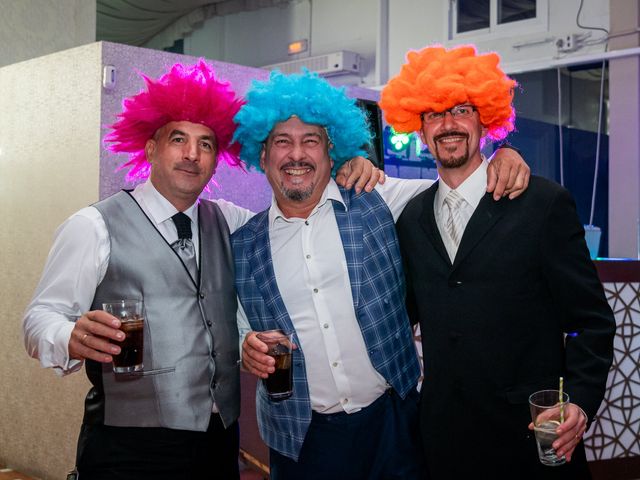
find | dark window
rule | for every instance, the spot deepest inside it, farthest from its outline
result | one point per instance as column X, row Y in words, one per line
column 515, row 10
column 473, row 15
column 177, row 47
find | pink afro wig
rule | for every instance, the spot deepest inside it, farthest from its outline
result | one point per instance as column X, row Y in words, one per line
column 435, row 79
column 186, row 93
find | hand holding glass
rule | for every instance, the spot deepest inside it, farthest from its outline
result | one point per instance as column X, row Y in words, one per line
column 279, row 384
column 131, row 315
column 547, row 413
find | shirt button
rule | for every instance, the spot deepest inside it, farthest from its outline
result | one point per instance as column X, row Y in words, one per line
column 306, row 222
column 335, row 364
column 326, row 325
column 308, row 256
column 345, row 400
column 315, row 290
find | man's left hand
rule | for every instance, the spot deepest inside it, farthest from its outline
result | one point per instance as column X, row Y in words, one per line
column 569, row 432
column 507, row 174
column 359, row 173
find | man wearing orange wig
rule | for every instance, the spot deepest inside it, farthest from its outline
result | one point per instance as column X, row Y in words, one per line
column 495, row 286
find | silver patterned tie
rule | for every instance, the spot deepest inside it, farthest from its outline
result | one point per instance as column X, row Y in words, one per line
column 453, row 220
column 184, row 245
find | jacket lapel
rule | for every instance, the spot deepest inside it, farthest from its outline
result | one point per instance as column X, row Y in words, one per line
column 429, row 225
column 351, row 234
column 261, row 266
column 486, row 215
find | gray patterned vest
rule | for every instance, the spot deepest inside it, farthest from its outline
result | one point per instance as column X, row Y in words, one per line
column 190, row 331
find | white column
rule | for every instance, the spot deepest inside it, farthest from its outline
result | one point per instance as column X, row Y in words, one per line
column 624, row 134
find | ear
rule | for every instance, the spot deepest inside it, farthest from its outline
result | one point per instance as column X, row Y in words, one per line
column 149, row 149
column 263, row 155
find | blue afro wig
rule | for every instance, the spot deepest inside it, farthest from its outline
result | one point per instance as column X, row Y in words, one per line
column 313, row 100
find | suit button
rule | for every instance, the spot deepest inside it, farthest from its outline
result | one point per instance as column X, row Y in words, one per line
column 455, row 283
column 209, row 322
column 202, row 295
column 214, row 354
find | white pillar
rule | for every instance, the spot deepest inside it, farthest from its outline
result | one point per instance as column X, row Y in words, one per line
column 624, row 134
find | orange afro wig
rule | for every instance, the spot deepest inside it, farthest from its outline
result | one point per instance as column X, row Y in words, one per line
column 435, row 79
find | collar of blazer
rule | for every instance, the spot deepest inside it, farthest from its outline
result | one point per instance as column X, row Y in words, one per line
column 484, row 218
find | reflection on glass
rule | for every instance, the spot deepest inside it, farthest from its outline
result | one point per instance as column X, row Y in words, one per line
column 515, row 10
column 472, row 15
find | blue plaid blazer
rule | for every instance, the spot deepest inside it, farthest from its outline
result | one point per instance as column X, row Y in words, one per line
column 377, row 285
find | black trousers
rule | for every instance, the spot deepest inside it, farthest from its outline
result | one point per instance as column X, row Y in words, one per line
column 134, row 453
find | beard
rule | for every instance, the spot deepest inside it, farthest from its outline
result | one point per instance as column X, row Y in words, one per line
column 450, row 160
column 295, row 194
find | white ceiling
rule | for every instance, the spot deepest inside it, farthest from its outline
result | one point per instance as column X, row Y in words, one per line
column 135, row 22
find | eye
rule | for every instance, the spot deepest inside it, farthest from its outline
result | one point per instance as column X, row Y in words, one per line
column 433, row 116
column 177, row 139
column 463, row 110
column 311, row 142
column 281, row 142
column 205, row 145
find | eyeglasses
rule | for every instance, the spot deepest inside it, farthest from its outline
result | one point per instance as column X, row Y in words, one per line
column 459, row 111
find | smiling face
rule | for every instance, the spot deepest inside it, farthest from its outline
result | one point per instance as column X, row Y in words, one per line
column 454, row 141
column 183, row 160
column 296, row 160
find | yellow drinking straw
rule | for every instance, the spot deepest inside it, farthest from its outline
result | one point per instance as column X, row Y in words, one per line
column 560, row 400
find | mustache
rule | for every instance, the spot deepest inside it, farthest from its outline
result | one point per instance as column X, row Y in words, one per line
column 188, row 167
column 296, row 165
column 451, row 133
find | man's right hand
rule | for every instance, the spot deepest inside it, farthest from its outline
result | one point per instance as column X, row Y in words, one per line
column 255, row 358
column 91, row 337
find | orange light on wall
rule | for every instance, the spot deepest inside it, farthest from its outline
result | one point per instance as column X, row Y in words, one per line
column 298, row 46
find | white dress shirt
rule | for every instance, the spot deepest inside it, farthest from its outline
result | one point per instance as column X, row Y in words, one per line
column 471, row 190
column 76, row 265
column 312, row 276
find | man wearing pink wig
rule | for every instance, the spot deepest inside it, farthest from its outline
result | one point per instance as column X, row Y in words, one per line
column 178, row 418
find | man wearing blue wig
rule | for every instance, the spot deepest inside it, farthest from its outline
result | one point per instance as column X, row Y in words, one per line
column 323, row 263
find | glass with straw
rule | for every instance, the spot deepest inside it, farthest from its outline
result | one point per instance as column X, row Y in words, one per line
column 547, row 413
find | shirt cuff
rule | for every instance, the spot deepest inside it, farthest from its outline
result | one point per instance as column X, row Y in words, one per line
column 61, row 363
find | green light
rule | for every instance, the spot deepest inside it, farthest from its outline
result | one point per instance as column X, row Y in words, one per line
column 400, row 140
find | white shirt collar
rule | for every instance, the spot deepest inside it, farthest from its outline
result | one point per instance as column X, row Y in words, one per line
column 472, row 189
column 160, row 209
column 331, row 192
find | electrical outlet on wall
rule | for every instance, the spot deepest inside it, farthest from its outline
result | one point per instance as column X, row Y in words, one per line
column 568, row 42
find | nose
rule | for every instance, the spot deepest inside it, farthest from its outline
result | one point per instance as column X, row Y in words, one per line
column 190, row 150
column 448, row 119
column 297, row 151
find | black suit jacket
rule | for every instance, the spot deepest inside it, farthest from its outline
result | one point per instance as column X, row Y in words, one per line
column 493, row 326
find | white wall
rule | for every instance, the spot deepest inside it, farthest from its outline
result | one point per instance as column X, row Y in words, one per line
column 260, row 37
column 49, row 159
column 32, row 28
column 416, row 23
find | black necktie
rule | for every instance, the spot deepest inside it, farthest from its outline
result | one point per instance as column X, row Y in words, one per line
column 184, row 246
